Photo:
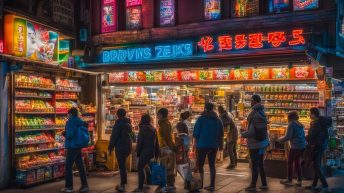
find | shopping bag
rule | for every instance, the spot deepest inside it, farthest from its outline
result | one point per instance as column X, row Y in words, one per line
column 158, row 174
column 193, row 182
column 184, row 170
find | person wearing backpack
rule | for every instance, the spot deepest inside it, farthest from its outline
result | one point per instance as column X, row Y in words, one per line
column 147, row 148
column 317, row 140
column 121, row 140
column 257, row 142
column 232, row 136
column 208, row 134
column 76, row 138
column 296, row 135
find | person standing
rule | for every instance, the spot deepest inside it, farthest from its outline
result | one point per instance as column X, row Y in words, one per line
column 296, row 135
column 208, row 134
column 121, row 140
column 257, row 142
column 167, row 149
column 147, row 148
column 181, row 126
column 317, row 140
column 232, row 136
column 74, row 154
column 186, row 116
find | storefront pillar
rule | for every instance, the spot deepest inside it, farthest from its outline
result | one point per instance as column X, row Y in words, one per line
column 4, row 139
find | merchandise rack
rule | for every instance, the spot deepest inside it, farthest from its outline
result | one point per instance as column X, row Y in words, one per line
column 27, row 122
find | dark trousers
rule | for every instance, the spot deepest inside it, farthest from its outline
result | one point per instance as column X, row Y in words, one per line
column 318, row 174
column 202, row 153
column 232, row 153
column 74, row 156
column 121, row 159
column 294, row 161
column 257, row 167
column 143, row 162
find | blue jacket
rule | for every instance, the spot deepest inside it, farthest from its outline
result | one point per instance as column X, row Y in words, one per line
column 296, row 135
column 72, row 125
column 208, row 131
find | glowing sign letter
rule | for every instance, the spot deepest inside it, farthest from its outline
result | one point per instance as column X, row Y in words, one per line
column 276, row 38
column 206, row 43
column 297, row 38
column 240, row 41
column 255, row 40
column 225, row 43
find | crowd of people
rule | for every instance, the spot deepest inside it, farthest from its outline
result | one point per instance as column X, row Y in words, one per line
column 207, row 139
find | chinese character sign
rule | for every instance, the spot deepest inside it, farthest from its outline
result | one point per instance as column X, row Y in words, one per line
column 244, row 8
column 167, row 12
column 300, row 5
column 134, row 20
column 274, row 39
column 109, row 16
column 212, row 9
column 130, row 3
column 30, row 40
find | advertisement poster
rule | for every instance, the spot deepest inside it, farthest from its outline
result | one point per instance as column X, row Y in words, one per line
column 212, row 9
column 301, row 5
column 167, row 12
column 19, row 37
column 130, row 3
column 244, row 8
column 278, row 6
column 64, row 52
column 134, row 20
column 109, row 13
column 41, row 43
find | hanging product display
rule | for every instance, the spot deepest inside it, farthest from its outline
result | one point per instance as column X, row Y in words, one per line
column 109, row 16
column 244, row 8
column 212, row 9
column 301, row 5
column 167, row 12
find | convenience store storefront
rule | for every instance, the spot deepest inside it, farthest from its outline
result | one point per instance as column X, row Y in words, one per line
column 225, row 69
column 41, row 90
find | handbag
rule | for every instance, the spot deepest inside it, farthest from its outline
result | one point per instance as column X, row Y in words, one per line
column 158, row 174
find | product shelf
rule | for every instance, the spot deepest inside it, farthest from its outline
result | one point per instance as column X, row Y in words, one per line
column 33, row 97
column 35, row 88
column 37, row 151
column 42, row 166
column 35, row 143
column 35, row 113
column 278, row 92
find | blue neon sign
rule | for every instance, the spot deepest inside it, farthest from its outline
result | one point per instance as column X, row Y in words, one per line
column 148, row 53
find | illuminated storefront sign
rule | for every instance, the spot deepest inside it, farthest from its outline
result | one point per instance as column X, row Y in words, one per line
column 27, row 39
column 109, row 16
column 212, row 9
column 167, row 12
column 245, row 8
column 130, row 3
column 300, row 5
column 139, row 54
column 275, row 39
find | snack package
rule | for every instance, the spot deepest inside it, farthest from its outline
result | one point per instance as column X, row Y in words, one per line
column 280, row 73
column 260, row 74
column 221, row 74
column 189, row 75
column 117, row 77
column 170, row 75
column 206, row 75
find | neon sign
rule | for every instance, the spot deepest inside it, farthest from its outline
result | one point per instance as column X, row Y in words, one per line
column 300, row 5
column 130, row 3
column 1, row 46
column 274, row 39
column 109, row 16
column 141, row 54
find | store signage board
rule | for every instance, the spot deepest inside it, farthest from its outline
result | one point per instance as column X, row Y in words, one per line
column 27, row 39
column 236, row 42
column 167, row 12
column 130, row 3
column 212, row 9
column 109, row 16
column 301, row 5
column 148, row 53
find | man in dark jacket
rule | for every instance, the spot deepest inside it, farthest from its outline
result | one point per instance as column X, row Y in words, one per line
column 232, row 136
column 74, row 151
column 208, row 134
column 121, row 141
column 317, row 139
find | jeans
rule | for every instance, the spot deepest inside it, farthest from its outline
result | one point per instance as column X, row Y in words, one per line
column 121, row 159
column 257, row 160
column 74, row 156
column 232, row 153
column 168, row 159
column 143, row 162
column 294, row 161
column 318, row 174
column 202, row 153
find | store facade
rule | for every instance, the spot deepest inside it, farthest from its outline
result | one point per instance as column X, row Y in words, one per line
column 225, row 62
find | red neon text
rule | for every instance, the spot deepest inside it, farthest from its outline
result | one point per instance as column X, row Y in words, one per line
column 255, row 40
column 240, row 41
column 276, row 38
column 206, row 43
column 225, row 43
column 297, row 38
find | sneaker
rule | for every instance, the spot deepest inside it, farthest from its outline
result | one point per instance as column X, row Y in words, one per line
column 286, row 182
column 120, row 188
column 264, row 187
column 137, row 190
column 168, row 189
column 230, row 167
column 299, row 183
column 210, row 188
column 84, row 189
column 250, row 188
column 325, row 190
column 67, row 190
